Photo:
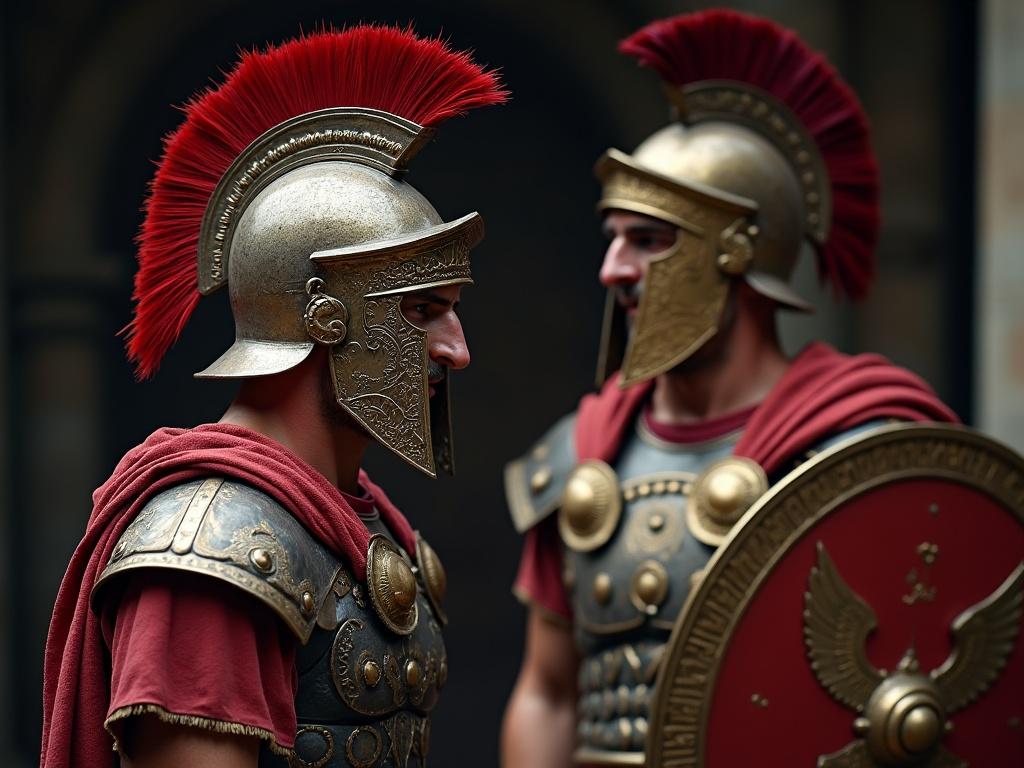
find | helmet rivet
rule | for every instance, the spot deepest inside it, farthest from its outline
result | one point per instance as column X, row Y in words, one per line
column 262, row 559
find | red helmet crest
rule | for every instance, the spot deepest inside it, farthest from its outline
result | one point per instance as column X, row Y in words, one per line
column 726, row 45
column 377, row 67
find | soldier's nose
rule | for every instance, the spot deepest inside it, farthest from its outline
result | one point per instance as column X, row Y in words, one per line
column 619, row 268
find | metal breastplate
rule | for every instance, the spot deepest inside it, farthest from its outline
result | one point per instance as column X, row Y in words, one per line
column 365, row 693
column 371, row 660
column 635, row 542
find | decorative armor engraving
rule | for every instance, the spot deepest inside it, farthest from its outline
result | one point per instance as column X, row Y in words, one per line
column 325, row 316
column 378, row 139
column 871, row 472
column 392, row 586
column 232, row 532
column 434, row 579
column 904, row 713
column 448, row 263
column 352, row 665
column 370, row 689
column 743, row 103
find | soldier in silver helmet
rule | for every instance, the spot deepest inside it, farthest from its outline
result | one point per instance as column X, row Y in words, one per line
column 624, row 501
column 244, row 594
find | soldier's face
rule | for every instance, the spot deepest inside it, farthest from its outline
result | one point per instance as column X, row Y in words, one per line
column 435, row 310
column 633, row 240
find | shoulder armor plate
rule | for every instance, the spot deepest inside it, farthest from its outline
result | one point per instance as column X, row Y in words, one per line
column 534, row 482
column 230, row 531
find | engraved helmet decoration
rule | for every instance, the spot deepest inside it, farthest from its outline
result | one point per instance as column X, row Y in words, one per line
column 768, row 149
column 287, row 185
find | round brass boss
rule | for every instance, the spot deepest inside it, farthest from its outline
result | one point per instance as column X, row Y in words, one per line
column 649, row 586
column 392, row 586
column 371, row 673
column 591, row 506
column 905, row 719
column 413, row 672
column 721, row 495
column 434, row 578
column 920, row 729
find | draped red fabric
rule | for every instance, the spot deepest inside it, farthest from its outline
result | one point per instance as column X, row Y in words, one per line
column 822, row 392
column 825, row 392
column 603, row 418
column 75, row 678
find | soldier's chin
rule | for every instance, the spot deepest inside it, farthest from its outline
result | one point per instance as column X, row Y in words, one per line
column 710, row 354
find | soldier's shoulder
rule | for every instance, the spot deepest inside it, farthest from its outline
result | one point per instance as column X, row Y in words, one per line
column 230, row 531
column 534, row 482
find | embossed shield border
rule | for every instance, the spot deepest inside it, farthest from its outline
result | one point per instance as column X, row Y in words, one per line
column 687, row 678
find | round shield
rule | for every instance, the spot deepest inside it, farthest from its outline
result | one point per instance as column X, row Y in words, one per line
column 866, row 611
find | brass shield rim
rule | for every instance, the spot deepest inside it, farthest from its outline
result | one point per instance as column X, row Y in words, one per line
column 895, row 442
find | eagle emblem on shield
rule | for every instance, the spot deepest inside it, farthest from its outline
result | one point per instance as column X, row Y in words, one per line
column 866, row 611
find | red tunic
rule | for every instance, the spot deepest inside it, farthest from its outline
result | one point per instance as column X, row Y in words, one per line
column 76, row 677
column 199, row 651
column 822, row 393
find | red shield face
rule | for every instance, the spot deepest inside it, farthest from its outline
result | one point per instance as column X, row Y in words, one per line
column 866, row 611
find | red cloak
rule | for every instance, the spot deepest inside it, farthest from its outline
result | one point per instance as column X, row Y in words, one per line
column 76, row 685
column 822, row 393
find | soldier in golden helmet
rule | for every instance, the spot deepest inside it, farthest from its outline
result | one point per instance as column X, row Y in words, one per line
column 624, row 501
column 244, row 594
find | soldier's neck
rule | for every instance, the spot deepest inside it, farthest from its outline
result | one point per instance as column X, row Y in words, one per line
column 289, row 409
column 729, row 374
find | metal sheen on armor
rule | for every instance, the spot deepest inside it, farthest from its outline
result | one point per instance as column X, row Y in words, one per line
column 365, row 692
column 317, row 236
column 232, row 532
column 732, row 181
column 627, row 592
column 884, row 580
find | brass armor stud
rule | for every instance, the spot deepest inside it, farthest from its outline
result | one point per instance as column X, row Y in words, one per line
column 392, row 586
column 434, row 578
column 649, row 586
column 540, row 480
column 308, row 604
column 656, row 522
column 262, row 559
column 371, row 672
column 602, row 588
column 591, row 506
column 413, row 672
column 721, row 495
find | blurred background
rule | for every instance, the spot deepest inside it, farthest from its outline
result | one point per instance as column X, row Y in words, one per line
column 88, row 87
